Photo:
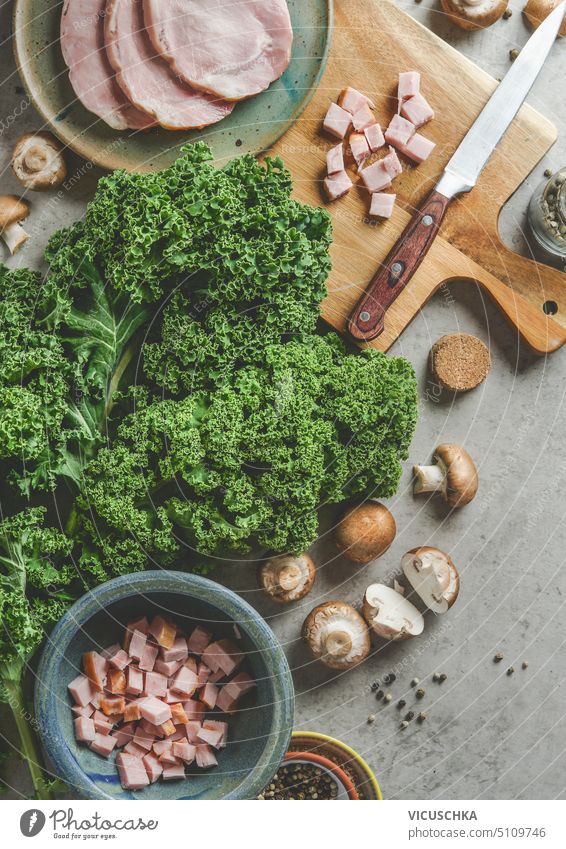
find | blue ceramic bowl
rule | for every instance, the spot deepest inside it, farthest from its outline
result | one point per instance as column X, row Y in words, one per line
column 259, row 732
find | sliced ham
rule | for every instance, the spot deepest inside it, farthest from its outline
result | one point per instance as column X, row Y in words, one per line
column 132, row 772
column 90, row 72
column 337, row 121
column 337, row 185
column 417, row 110
column 409, row 85
column 148, row 80
column 382, row 205
column 374, row 137
column 335, row 160
column 363, row 118
column 375, row 177
column 230, row 48
column 399, row 131
column 359, row 147
column 351, row 100
column 418, row 148
column 103, row 744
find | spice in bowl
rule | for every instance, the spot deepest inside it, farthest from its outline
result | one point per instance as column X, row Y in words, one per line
column 547, row 218
column 301, row 781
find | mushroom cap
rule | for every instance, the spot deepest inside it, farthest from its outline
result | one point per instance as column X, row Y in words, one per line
column 12, row 209
column 365, row 532
column 286, row 578
column 337, row 635
column 537, row 10
column 462, row 480
column 37, row 161
column 474, row 14
column 433, row 576
column 390, row 614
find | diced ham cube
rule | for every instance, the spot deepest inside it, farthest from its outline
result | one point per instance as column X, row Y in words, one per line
column 102, row 726
column 119, row 659
column 359, row 148
column 133, row 749
column 81, row 690
column 375, row 177
column 132, row 712
column 85, row 731
column 154, row 710
column 103, row 744
column 399, row 131
column 203, row 674
column 143, row 738
column 87, row 710
column 167, row 668
column 215, row 725
column 211, row 736
column 151, row 728
column 231, row 692
column 177, row 652
column 178, row 715
column 135, row 682
column 337, row 122
column 163, row 631
column 352, row 100
column 209, row 695
column 124, row 735
column 185, row 682
column 168, row 728
column 392, row 164
column 95, row 667
column 116, row 682
column 335, row 187
column 382, row 205
column 191, row 663
column 137, row 645
column 96, row 699
column 180, row 734
column 418, row 148
column 194, row 710
column 205, row 756
column 409, row 85
column 363, row 118
column 107, row 653
column 155, row 684
column 184, row 750
column 152, row 767
column 162, row 746
column 374, row 137
column 168, row 757
column 132, row 772
column 417, row 110
column 192, row 731
column 217, row 676
column 173, row 771
column 199, row 640
column 148, row 658
column 112, row 705
column 335, row 160
column 243, row 682
column 141, row 625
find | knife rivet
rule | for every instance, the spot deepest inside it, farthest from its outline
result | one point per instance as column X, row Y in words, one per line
column 397, row 269
column 427, row 220
column 365, row 316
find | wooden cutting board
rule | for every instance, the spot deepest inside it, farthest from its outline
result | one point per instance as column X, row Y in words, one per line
column 373, row 41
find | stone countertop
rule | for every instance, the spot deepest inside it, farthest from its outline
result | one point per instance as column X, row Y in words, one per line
column 488, row 735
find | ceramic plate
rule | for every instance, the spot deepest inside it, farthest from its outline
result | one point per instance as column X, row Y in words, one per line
column 253, row 126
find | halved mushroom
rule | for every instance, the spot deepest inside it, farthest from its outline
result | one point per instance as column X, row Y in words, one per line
column 454, row 476
column 433, row 576
column 37, row 161
column 365, row 532
column 474, row 14
column 13, row 210
column 536, row 11
column 286, row 578
column 337, row 635
column 391, row 615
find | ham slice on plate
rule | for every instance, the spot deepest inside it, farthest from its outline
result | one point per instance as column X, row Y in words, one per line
column 147, row 79
column 231, row 48
column 90, row 72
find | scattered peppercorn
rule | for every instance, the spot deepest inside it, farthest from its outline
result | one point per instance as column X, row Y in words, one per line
column 548, row 173
column 371, row 718
column 498, row 657
column 404, row 725
column 389, row 679
column 421, row 717
column 507, row 14
column 510, row 671
column 401, row 704
column 410, row 716
column 442, row 677
column 513, row 54
column 379, row 695
column 375, row 686
column 420, row 694
column 387, row 697
column 525, row 664
column 414, row 682
column 436, row 676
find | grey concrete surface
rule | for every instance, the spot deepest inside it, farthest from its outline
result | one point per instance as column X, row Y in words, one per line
column 488, row 735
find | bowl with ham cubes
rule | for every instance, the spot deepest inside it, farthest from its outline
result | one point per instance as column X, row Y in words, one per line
column 164, row 685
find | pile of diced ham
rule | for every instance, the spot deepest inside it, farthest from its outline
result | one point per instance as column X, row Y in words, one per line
column 353, row 117
column 150, row 698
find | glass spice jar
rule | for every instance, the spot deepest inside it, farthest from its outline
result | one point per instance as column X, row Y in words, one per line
column 547, row 219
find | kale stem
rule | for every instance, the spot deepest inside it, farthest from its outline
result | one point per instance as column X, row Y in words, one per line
column 29, row 749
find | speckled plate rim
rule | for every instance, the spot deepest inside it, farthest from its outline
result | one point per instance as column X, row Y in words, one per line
column 83, row 148
column 325, row 738
column 144, row 583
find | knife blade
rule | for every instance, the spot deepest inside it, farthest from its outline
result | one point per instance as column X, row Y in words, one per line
column 460, row 175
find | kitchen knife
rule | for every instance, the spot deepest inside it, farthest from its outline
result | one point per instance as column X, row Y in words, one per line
column 460, row 175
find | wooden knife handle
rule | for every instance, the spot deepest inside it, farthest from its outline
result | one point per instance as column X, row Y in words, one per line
column 367, row 320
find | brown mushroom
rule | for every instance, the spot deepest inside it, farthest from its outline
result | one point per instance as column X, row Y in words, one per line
column 390, row 615
column 37, row 161
column 433, row 576
column 285, row 578
column 454, row 476
column 537, row 10
column 337, row 635
column 13, row 210
column 365, row 532
column 474, row 14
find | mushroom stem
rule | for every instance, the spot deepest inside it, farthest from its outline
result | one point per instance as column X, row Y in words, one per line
column 15, row 235
column 429, row 478
column 338, row 644
column 289, row 577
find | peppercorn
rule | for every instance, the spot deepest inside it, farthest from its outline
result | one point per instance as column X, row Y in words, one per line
column 513, row 54
column 510, row 671
column 498, row 657
column 375, row 686
column 548, row 173
column 436, row 676
column 414, row 682
column 421, row 717
column 507, row 14
column 410, row 716
column 371, row 718
column 387, row 698
column 390, row 678
column 401, row 704
column 525, row 664
column 379, row 694
column 420, row 694
column 443, row 676
column 404, row 725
